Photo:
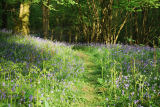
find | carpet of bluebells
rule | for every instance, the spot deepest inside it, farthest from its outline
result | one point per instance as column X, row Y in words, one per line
column 129, row 75
column 38, row 72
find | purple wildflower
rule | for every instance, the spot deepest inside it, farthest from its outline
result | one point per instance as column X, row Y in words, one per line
column 122, row 92
column 132, row 93
column 136, row 101
column 126, row 86
column 31, row 98
column 3, row 83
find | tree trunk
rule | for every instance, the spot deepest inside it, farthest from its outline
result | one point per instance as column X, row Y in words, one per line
column 106, row 24
column 85, row 32
column 24, row 18
column 104, row 20
column 144, row 22
column 93, row 32
column 131, row 30
column 136, row 30
column 45, row 11
column 121, row 27
column 52, row 33
column 61, row 35
column 76, row 34
column 109, row 22
column 70, row 36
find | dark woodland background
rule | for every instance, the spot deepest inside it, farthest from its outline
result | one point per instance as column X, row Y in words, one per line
column 84, row 21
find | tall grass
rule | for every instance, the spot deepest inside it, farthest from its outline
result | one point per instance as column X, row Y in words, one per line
column 130, row 75
column 37, row 72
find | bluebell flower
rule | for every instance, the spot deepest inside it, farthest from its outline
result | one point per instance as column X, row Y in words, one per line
column 3, row 83
column 126, row 86
column 122, row 92
column 30, row 98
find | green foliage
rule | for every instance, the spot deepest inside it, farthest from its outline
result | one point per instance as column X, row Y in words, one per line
column 137, row 5
column 79, row 17
column 127, row 74
column 44, row 74
column 39, row 72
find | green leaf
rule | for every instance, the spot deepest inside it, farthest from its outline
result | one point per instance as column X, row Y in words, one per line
column 100, row 80
column 46, row 103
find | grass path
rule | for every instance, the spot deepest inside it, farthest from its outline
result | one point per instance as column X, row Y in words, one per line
column 90, row 90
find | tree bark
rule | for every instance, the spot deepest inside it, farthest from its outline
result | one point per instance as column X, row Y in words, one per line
column 131, row 30
column 136, row 30
column 93, row 31
column 109, row 22
column 24, row 18
column 70, row 36
column 104, row 20
column 144, row 22
column 45, row 11
column 121, row 27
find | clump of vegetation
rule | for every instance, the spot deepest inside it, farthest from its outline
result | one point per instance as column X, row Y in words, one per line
column 35, row 72
column 38, row 72
column 128, row 75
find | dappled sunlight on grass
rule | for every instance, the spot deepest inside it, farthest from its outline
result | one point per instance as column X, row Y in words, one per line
column 127, row 75
column 38, row 72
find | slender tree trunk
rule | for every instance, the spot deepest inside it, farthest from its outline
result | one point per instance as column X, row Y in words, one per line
column 144, row 22
column 70, row 36
column 109, row 21
column 76, row 34
column 45, row 11
column 52, row 33
column 126, row 34
column 131, row 30
column 61, row 35
column 98, row 31
column 82, row 24
column 104, row 20
column 93, row 32
column 121, row 27
column 98, row 24
column 85, row 32
column 136, row 30
column 76, row 37
column 24, row 18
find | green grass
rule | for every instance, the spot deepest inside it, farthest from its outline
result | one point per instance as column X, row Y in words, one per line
column 126, row 75
column 41, row 73
column 37, row 72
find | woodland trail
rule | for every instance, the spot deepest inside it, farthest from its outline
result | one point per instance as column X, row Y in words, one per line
column 92, row 93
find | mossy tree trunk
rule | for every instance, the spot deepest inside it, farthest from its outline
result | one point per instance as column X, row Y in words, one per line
column 24, row 12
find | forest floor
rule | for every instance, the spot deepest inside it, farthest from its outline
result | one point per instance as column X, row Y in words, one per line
column 77, row 75
column 92, row 93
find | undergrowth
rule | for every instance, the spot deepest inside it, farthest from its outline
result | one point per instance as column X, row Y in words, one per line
column 129, row 75
column 38, row 72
